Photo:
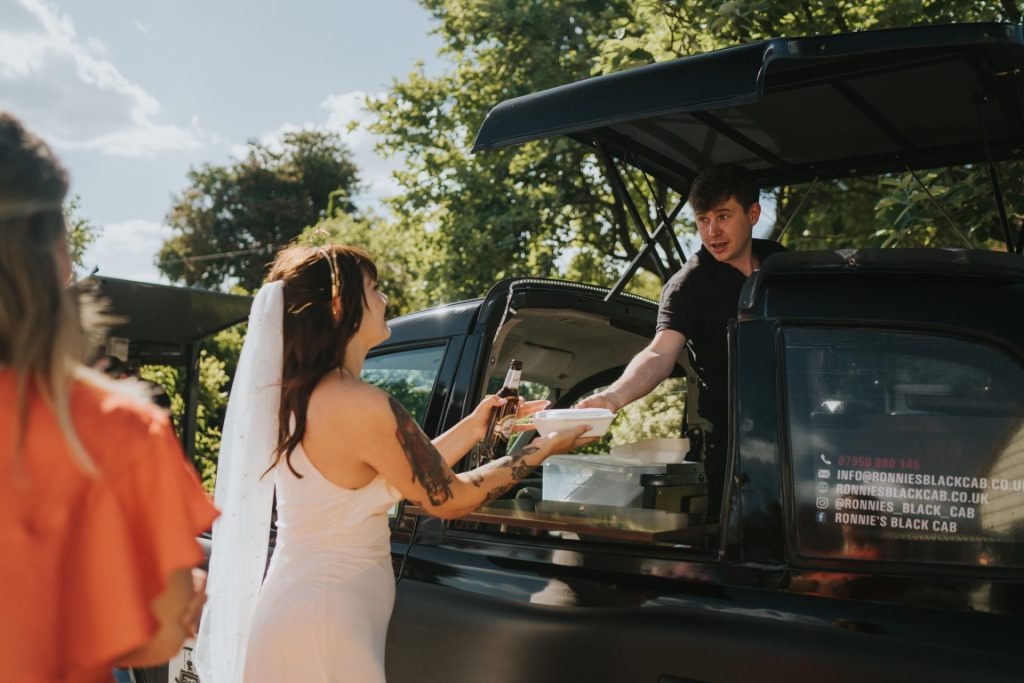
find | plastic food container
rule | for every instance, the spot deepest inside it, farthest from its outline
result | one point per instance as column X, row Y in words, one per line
column 547, row 421
column 654, row 450
column 596, row 479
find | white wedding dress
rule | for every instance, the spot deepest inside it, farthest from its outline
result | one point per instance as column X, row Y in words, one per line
column 323, row 610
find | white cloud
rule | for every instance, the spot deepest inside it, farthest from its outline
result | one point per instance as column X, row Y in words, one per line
column 348, row 115
column 98, row 46
column 126, row 250
column 272, row 140
column 143, row 28
column 346, row 109
column 68, row 91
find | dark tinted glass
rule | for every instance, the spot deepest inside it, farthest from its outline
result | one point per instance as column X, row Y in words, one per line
column 407, row 375
column 905, row 447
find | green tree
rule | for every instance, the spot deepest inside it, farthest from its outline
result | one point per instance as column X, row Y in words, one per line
column 655, row 30
column 81, row 231
column 524, row 211
column 217, row 363
column 231, row 218
column 227, row 224
column 656, row 415
column 395, row 248
column 546, row 208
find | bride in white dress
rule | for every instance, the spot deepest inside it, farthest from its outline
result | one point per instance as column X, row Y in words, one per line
column 339, row 452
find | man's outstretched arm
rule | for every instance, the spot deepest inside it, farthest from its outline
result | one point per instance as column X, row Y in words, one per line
column 648, row 369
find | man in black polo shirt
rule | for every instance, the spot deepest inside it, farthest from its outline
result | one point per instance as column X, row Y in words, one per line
column 696, row 306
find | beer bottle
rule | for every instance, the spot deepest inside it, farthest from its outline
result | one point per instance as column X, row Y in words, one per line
column 499, row 430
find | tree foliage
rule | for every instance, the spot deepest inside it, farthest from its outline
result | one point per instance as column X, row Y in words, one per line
column 80, row 230
column 657, row 415
column 460, row 222
column 244, row 211
column 396, row 254
column 656, row 30
column 230, row 219
column 478, row 218
column 217, row 363
column 546, row 208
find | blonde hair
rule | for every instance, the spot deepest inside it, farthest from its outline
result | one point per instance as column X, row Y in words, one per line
column 40, row 333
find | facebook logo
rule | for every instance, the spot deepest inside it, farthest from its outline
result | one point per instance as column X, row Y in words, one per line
column 821, row 516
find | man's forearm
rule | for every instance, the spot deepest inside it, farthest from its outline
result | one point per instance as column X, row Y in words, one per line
column 646, row 371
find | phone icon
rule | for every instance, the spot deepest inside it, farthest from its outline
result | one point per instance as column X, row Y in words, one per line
column 825, row 460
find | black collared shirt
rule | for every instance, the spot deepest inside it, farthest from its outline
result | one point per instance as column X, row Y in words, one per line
column 698, row 302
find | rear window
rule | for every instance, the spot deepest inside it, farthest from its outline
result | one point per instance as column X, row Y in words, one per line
column 905, row 447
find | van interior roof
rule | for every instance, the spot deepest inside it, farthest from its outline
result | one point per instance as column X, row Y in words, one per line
column 560, row 348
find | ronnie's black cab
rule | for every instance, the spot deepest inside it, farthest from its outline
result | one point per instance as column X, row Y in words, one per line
column 872, row 525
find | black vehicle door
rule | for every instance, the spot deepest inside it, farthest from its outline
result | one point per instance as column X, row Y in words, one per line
column 609, row 597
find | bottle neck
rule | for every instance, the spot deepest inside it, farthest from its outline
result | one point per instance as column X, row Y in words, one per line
column 512, row 378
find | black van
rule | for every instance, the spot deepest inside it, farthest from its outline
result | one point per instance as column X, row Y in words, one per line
column 873, row 519
column 873, row 523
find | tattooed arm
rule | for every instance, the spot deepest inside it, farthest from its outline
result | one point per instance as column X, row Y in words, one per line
column 429, row 469
column 517, row 464
column 403, row 454
column 457, row 441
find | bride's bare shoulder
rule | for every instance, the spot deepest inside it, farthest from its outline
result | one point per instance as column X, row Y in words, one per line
column 347, row 421
column 345, row 399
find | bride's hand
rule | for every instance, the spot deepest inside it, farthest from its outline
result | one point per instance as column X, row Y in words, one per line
column 480, row 418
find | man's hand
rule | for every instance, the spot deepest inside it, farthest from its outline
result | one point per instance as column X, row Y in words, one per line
column 604, row 399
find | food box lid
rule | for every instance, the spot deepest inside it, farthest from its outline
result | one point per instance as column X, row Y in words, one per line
column 574, row 414
column 603, row 462
column 654, row 450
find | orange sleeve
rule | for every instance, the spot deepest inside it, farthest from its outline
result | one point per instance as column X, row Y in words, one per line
column 136, row 525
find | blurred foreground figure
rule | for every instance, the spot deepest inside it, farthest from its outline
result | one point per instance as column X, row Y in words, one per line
column 99, row 509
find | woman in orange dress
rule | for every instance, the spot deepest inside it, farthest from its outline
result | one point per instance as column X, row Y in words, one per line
column 99, row 510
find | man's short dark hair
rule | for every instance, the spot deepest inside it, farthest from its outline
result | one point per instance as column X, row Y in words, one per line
column 716, row 184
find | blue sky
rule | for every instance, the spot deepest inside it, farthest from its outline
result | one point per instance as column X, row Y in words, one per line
column 131, row 94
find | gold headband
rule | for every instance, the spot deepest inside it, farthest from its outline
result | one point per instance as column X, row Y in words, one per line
column 335, row 285
column 335, row 280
